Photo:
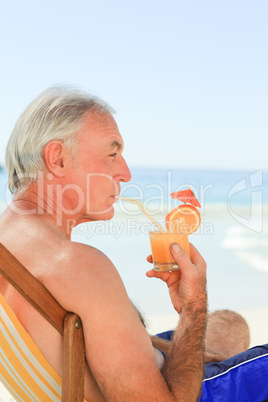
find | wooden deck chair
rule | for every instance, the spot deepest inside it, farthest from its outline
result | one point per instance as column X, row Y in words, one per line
column 71, row 388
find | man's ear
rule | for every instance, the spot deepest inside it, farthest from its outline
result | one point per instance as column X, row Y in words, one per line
column 55, row 157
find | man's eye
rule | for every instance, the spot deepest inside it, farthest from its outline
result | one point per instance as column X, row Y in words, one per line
column 114, row 154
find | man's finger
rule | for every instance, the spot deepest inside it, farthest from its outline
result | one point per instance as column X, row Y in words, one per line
column 196, row 257
column 163, row 275
column 179, row 254
column 183, row 261
column 150, row 259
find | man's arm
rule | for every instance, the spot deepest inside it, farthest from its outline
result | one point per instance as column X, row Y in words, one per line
column 160, row 343
column 186, row 353
column 119, row 352
column 183, row 369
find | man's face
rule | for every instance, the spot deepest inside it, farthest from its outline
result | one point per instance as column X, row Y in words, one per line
column 100, row 167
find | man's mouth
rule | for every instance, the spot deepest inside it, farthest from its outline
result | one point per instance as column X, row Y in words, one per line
column 114, row 197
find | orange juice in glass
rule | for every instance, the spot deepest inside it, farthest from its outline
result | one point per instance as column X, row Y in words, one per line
column 179, row 223
column 160, row 245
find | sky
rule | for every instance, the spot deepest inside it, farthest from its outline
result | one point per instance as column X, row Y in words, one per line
column 188, row 79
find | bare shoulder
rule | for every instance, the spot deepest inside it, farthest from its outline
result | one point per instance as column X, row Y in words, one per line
column 80, row 271
column 77, row 256
column 118, row 346
column 82, row 261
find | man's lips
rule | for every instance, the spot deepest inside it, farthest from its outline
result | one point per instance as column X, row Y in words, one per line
column 114, row 198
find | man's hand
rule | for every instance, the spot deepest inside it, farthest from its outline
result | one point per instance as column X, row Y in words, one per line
column 187, row 289
column 187, row 285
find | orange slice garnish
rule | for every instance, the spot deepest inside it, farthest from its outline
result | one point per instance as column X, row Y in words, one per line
column 183, row 219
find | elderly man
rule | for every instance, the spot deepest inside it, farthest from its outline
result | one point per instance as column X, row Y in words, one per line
column 65, row 166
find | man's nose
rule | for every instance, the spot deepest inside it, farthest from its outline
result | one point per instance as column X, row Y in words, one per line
column 123, row 171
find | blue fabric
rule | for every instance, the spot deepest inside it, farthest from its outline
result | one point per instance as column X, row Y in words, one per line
column 243, row 377
column 166, row 335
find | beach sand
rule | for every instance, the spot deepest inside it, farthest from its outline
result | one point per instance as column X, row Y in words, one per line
column 257, row 320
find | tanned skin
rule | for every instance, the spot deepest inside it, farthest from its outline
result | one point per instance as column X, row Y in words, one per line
column 37, row 228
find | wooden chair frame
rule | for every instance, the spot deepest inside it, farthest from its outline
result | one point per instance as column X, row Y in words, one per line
column 67, row 323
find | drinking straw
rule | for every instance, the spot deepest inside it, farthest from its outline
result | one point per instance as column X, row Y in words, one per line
column 143, row 208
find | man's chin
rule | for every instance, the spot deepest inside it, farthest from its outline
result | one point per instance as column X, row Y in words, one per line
column 97, row 216
column 105, row 215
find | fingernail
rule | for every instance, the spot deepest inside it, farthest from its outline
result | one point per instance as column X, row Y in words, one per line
column 175, row 248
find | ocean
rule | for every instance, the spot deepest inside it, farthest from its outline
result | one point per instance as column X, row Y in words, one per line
column 232, row 237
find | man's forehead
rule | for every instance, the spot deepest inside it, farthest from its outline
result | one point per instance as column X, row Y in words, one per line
column 98, row 121
column 103, row 128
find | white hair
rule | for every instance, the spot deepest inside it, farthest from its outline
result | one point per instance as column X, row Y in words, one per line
column 56, row 114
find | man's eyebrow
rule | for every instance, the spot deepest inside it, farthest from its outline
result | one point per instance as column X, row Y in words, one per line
column 116, row 144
